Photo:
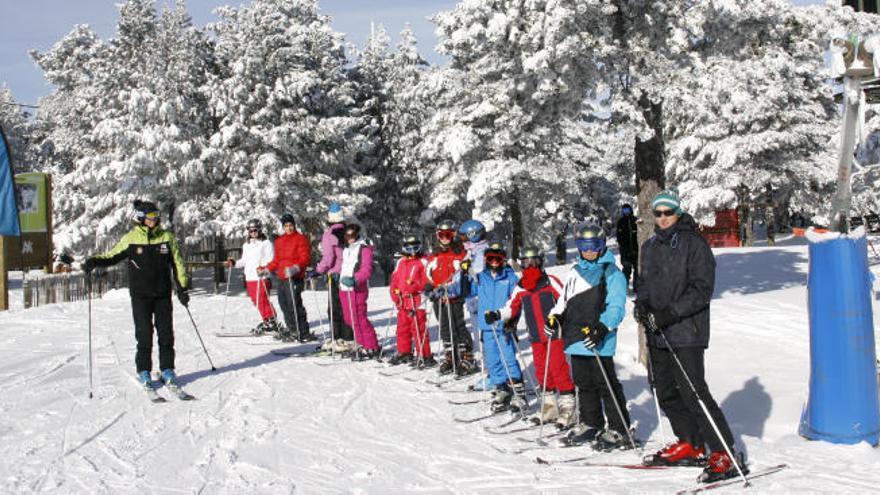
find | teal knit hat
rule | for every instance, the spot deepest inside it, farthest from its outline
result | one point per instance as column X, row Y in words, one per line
column 668, row 198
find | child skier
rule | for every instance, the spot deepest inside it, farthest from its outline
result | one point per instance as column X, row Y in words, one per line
column 448, row 304
column 493, row 287
column 534, row 297
column 257, row 251
column 407, row 284
column 587, row 314
column 357, row 268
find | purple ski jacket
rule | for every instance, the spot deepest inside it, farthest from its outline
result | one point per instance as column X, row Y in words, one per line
column 331, row 250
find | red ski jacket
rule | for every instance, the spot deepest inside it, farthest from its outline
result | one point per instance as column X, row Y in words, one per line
column 408, row 281
column 291, row 249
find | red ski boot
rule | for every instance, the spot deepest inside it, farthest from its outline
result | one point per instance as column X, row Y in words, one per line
column 680, row 453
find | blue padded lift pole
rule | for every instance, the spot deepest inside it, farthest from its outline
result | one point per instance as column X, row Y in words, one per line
column 843, row 406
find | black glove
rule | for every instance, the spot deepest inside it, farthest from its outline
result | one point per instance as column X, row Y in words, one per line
column 492, row 316
column 595, row 335
column 183, row 297
column 311, row 273
column 428, row 290
column 553, row 327
column 640, row 311
column 89, row 265
column 657, row 321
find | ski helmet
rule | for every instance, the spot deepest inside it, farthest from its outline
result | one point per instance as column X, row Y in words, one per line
column 474, row 230
column 626, row 209
column 144, row 210
column 411, row 245
column 288, row 218
column 590, row 237
column 495, row 251
column 531, row 253
column 446, row 230
column 255, row 224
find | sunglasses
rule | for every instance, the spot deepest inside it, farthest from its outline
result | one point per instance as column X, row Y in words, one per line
column 663, row 213
column 494, row 258
column 593, row 244
column 253, row 230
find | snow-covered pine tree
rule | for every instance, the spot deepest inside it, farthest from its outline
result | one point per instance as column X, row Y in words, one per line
column 284, row 139
column 22, row 134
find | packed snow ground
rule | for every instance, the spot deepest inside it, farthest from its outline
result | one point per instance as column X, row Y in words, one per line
column 268, row 424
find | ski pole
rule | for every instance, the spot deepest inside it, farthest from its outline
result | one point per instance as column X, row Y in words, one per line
column 501, row 353
column 387, row 328
column 705, row 410
column 451, row 331
column 318, row 308
column 544, row 388
column 226, row 298
column 89, row 291
column 656, row 400
column 330, row 314
column 623, row 420
column 196, row 328
column 292, row 301
column 351, row 317
column 420, row 336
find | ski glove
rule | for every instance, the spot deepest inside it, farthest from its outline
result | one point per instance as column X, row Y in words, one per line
column 89, row 265
column 347, row 281
column 311, row 273
column 492, row 316
column 657, row 321
column 262, row 272
column 595, row 335
column 183, row 297
column 292, row 271
column 553, row 327
column 229, row 263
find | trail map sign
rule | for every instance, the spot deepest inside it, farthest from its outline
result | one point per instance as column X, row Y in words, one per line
column 34, row 248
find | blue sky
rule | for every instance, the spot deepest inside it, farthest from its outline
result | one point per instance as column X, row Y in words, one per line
column 38, row 24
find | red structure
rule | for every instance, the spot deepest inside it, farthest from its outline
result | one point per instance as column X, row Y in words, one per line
column 725, row 232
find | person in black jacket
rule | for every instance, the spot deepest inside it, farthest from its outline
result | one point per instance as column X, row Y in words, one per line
column 628, row 243
column 675, row 286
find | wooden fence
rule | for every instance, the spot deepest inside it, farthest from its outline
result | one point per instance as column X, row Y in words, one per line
column 71, row 286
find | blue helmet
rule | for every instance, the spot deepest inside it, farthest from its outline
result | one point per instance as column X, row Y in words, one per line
column 474, row 230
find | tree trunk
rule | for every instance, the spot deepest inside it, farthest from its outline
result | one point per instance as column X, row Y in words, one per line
column 650, row 164
column 770, row 217
column 516, row 242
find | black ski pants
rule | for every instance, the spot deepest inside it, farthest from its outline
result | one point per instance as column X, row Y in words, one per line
column 630, row 268
column 341, row 330
column 679, row 402
column 595, row 402
column 453, row 327
column 292, row 306
column 147, row 312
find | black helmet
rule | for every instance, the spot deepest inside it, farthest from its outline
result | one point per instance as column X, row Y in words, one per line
column 288, row 218
column 531, row 252
column 411, row 244
column 446, row 225
column 590, row 237
column 144, row 210
column 255, row 223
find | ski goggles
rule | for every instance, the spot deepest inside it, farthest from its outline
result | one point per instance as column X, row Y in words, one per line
column 594, row 244
column 663, row 213
column 148, row 215
column 626, row 211
column 411, row 248
column 446, row 235
column 494, row 258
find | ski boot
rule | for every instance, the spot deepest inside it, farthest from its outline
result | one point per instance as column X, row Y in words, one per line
column 259, row 329
column 426, row 362
column 680, row 453
column 501, row 398
column 401, row 358
column 285, row 336
column 447, row 365
column 549, row 410
column 306, row 337
column 567, row 413
column 467, row 365
column 580, row 434
column 518, row 403
column 609, row 440
column 272, row 325
column 145, row 379
column 720, row 467
column 168, row 377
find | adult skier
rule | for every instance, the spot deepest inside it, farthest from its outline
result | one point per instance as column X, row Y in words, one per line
column 591, row 306
column 292, row 256
column 407, row 284
column 534, row 297
column 257, row 251
column 155, row 267
column 332, row 244
column 448, row 304
column 628, row 243
column 675, row 286
column 357, row 268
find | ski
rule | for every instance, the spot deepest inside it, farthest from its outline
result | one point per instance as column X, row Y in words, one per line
column 295, row 352
column 475, row 419
column 232, row 335
column 545, row 437
column 578, row 460
column 464, row 402
column 396, row 372
column 178, row 392
column 154, row 396
column 732, row 481
column 498, row 429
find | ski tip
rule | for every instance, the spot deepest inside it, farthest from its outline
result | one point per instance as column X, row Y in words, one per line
column 541, row 461
column 213, row 368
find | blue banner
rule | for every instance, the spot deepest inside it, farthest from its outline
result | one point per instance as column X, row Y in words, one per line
column 8, row 209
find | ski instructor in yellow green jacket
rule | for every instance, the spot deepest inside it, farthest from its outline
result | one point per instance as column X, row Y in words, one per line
column 154, row 264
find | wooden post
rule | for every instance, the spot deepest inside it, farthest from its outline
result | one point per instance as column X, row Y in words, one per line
column 4, row 276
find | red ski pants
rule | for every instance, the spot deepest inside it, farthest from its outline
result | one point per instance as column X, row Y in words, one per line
column 261, row 298
column 558, row 372
column 411, row 333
